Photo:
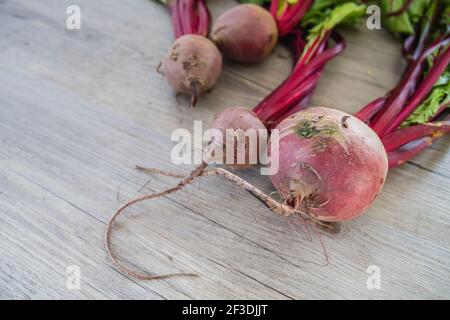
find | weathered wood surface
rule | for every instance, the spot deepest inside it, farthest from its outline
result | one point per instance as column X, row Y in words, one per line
column 79, row 109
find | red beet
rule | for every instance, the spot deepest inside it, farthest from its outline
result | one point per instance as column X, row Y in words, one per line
column 246, row 33
column 192, row 65
column 331, row 164
column 239, row 118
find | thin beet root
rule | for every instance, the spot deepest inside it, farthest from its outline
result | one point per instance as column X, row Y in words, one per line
column 201, row 170
column 330, row 227
column 194, row 93
column 158, row 69
column 136, row 274
column 160, row 172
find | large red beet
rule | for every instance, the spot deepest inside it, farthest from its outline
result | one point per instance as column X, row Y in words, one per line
column 330, row 164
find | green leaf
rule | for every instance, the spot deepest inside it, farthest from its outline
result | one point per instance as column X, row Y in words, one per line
column 417, row 9
column 408, row 21
column 444, row 19
column 396, row 24
column 439, row 96
column 346, row 13
column 320, row 5
column 320, row 10
column 284, row 4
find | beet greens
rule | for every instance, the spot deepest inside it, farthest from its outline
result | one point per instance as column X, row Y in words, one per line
column 311, row 46
column 406, row 119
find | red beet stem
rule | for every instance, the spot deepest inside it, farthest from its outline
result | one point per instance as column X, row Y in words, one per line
column 284, row 87
column 315, row 48
column 181, row 5
column 175, row 19
column 407, row 45
column 292, row 99
column 370, row 110
column 300, row 105
column 274, row 8
column 399, row 96
column 294, row 39
column 193, row 11
column 423, row 90
column 423, row 38
column 189, row 14
column 204, row 18
column 292, row 16
column 287, row 99
column 270, row 106
column 413, row 50
column 401, row 137
column 408, row 152
column 305, row 86
column 189, row 17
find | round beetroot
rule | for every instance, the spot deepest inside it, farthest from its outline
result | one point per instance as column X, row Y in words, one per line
column 246, row 33
column 239, row 118
column 330, row 164
column 192, row 65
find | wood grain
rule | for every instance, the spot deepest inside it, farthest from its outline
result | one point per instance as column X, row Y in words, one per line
column 79, row 109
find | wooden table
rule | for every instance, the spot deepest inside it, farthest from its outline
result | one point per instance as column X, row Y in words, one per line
column 79, row 109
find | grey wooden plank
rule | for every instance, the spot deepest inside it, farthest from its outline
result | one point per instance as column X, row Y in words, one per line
column 46, row 173
column 36, row 252
column 80, row 109
column 263, row 244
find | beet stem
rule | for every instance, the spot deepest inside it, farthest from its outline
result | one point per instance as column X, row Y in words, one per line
column 291, row 99
column 408, row 152
column 274, row 8
column 303, row 77
column 292, row 16
column 176, row 19
column 298, row 106
column 190, row 17
column 370, row 110
column 423, row 90
column 399, row 96
column 204, row 19
column 403, row 136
